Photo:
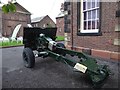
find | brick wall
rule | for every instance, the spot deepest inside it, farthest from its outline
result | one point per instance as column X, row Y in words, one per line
column 11, row 20
column 0, row 22
column 60, row 26
column 105, row 42
column 47, row 20
column 44, row 22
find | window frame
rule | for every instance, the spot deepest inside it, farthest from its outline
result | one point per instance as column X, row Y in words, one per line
column 80, row 21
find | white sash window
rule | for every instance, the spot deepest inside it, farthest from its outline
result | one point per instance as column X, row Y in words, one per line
column 89, row 16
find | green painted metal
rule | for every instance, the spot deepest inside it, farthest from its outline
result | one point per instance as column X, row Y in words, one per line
column 97, row 73
column 61, row 58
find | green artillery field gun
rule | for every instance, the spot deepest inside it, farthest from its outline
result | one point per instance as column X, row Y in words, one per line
column 43, row 41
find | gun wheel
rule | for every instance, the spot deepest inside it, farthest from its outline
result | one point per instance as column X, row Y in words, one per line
column 28, row 58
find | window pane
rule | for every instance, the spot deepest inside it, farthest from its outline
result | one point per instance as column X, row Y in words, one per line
column 93, row 14
column 85, row 25
column 89, row 4
column 89, row 24
column 84, row 5
column 85, row 15
column 97, row 22
column 98, row 13
column 93, row 24
column 89, row 15
column 93, row 3
column 97, row 3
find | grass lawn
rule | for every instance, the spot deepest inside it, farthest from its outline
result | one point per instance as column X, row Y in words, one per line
column 60, row 38
column 11, row 43
column 17, row 43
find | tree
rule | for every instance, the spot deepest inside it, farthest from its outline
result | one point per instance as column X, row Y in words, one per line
column 9, row 7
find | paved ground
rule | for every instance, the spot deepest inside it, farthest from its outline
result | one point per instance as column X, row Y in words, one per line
column 0, row 68
column 47, row 73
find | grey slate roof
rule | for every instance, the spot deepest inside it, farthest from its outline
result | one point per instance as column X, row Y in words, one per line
column 38, row 19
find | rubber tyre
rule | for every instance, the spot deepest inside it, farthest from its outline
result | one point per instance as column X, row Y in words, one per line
column 28, row 58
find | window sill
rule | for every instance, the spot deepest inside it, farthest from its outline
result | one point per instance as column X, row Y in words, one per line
column 89, row 34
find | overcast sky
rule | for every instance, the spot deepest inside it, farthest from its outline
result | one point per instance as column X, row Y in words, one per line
column 41, row 7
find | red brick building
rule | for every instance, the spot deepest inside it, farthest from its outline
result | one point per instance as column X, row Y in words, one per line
column 10, row 20
column 0, row 22
column 43, row 22
column 93, row 27
column 60, row 22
